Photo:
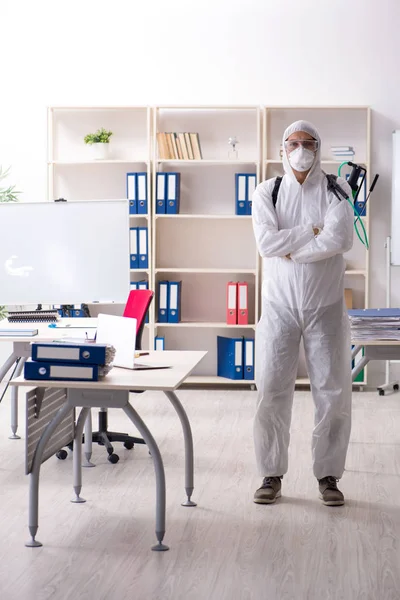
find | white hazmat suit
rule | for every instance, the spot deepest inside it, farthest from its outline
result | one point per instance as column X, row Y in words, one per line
column 303, row 297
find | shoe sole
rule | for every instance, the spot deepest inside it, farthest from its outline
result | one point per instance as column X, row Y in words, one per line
column 331, row 502
column 266, row 501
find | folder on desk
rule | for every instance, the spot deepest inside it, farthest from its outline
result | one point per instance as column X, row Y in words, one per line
column 174, row 304
column 142, row 204
column 173, row 193
column 134, row 247
column 53, row 371
column 231, row 302
column 251, row 186
column 242, row 312
column 163, row 296
column 143, row 244
column 161, row 193
column 241, row 193
column 91, row 354
column 159, row 343
column 230, row 357
column 131, row 192
column 248, row 359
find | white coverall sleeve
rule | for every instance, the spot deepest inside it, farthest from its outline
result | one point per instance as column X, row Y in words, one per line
column 336, row 236
column 272, row 241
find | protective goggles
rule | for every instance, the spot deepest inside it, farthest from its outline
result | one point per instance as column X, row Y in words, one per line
column 291, row 145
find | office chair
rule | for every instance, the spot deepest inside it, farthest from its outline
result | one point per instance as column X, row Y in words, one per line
column 136, row 307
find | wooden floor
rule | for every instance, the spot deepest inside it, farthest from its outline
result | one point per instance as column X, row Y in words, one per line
column 226, row 548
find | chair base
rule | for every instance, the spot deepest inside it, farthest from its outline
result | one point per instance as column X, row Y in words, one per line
column 103, row 437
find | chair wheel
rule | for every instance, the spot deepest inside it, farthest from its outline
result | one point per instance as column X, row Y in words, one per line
column 62, row 454
column 396, row 387
column 381, row 392
column 128, row 445
column 113, row 458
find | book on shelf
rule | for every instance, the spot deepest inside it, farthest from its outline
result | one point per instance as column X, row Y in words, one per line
column 179, row 146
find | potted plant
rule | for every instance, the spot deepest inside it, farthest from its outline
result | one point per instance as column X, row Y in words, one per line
column 7, row 194
column 99, row 143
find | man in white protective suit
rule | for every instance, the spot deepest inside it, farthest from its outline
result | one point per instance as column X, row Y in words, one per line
column 301, row 241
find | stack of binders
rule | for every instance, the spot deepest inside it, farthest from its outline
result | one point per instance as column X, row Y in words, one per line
column 169, row 301
column 245, row 184
column 136, row 192
column 139, row 247
column 168, row 193
column 235, row 358
column 58, row 361
column 237, row 312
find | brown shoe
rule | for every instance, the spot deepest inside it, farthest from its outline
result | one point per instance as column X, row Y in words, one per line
column 329, row 493
column 269, row 491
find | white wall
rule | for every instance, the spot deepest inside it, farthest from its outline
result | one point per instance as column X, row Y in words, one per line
column 200, row 52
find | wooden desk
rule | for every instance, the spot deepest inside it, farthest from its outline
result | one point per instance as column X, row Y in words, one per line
column 47, row 412
column 374, row 350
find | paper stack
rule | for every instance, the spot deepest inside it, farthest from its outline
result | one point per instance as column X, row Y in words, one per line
column 375, row 324
column 342, row 153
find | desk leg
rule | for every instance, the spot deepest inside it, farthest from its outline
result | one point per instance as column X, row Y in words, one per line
column 35, row 472
column 187, row 434
column 77, row 458
column 14, row 402
column 359, row 367
column 160, row 474
column 88, row 440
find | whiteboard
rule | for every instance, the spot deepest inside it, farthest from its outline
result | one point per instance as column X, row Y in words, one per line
column 395, row 241
column 64, row 252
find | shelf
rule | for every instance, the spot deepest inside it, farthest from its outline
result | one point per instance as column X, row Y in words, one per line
column 189, row 216
column 138, row 216
column 140, row 271
column 212, row 379
column 323, row 162
column 97, row 162
column 215, row 325
column 362, row 272
column 185, row 270
column 206, row 162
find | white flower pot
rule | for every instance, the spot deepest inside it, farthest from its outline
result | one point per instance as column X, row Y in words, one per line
column 100, row 151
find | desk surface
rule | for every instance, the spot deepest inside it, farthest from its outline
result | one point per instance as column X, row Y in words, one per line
column 64, row 328
column 375, row 342
column 182, row 364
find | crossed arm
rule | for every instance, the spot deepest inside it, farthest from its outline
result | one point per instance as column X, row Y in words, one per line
column 303, row 243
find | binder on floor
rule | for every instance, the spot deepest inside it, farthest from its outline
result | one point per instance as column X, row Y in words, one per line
column 142, row 203
column 52, row 371
column 230, row 357
column 241, row 193
column 161, row 193
column 134, row 247
column 159, row 343
column 143, row 244
column 173, row 193
column 242, row 311
column 163, row 294
column 131, row 192
column 174, row 304
column 231, row 302
column 248, row 359
column 90, row 354
column 251, row 186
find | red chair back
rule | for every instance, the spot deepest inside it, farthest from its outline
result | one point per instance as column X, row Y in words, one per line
column 136, row 308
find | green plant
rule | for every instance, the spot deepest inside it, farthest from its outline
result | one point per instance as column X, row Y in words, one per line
column 3, row 313
column 102, row 136
column 7, row 194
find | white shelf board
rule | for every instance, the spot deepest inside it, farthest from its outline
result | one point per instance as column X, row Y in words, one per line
column 99, row 162
column 214, row 379
column 207, row 162
column 323, row 162
column 215, row 325
column 140, row 271
column 362, row 272
column 185, row 270
column 193, row 216
column 138, row 216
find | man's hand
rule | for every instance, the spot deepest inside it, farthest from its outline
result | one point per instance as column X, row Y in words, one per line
column 316, row 230
column 288, row 256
